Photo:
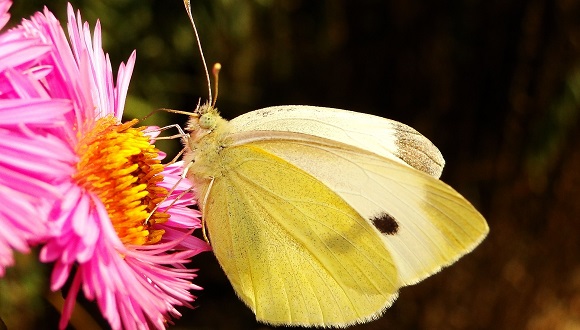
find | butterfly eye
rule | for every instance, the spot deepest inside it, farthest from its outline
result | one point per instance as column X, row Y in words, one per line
column 207, row 121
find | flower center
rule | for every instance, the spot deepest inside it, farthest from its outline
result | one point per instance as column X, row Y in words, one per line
column 119, row 165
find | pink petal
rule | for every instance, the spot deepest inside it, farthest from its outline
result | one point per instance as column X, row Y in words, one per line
column 4, row 15
column 21, row 51
column 16, row 111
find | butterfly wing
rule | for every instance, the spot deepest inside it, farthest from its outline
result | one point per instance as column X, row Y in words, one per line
column 318, row 216
column 381, row 136
column 295, row 252
column 424, row 223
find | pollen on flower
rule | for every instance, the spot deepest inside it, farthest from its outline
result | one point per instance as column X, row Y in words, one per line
column 118, row 164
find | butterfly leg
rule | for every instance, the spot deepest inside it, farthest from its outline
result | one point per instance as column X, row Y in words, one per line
column 181, row 134
column 146, row 222
column 203, row 210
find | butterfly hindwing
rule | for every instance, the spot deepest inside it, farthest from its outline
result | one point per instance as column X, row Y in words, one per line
column 293, row 250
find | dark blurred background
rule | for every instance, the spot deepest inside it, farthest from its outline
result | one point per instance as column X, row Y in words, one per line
column 494, row 84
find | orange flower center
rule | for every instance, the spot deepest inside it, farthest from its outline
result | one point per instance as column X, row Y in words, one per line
column 120, row 165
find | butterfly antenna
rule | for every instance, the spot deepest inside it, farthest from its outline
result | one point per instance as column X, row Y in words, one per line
column 187, row 4
column 216, row 76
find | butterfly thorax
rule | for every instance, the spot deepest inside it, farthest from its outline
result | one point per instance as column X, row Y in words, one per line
column 208, row 133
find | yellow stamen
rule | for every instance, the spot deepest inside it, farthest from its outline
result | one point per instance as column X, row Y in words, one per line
column 119, row 165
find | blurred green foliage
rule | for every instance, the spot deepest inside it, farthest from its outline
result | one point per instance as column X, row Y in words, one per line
column 495, row 85
column 21, row 292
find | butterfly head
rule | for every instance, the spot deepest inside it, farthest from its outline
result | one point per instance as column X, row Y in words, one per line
column 203, row 121
column 207, row 135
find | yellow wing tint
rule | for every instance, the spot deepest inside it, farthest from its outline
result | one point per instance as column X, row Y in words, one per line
column 295, row 252
column 431, row 225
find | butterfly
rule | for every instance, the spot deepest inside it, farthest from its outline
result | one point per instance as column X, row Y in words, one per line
column 319, row 216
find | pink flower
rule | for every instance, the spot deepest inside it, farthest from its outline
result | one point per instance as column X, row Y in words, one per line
column 17, row 206
column 77, row 180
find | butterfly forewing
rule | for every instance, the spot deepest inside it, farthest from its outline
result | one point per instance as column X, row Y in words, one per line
column 424, row 222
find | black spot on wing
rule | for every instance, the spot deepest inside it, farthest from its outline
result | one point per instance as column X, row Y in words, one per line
column 385, row 223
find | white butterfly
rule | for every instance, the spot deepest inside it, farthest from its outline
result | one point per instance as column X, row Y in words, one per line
column 318, row 216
